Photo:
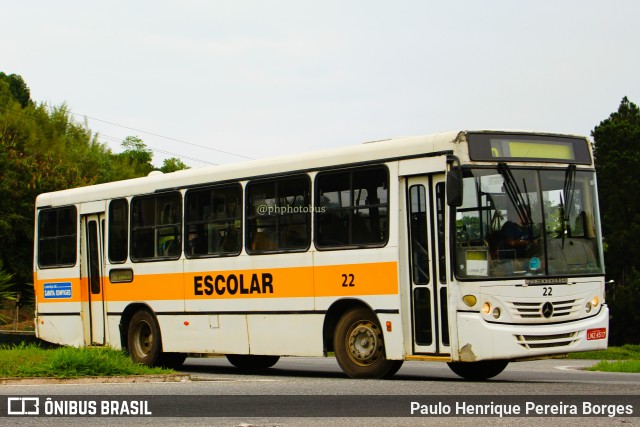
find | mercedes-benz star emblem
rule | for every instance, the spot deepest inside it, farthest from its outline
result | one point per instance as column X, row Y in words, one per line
column 547, row 310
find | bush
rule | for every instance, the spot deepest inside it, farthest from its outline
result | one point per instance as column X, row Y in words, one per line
column 6, row 291
column 624, row 300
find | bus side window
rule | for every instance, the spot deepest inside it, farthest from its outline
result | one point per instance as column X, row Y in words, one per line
column 118, row 228
column 57, row 230
column 156, row 224
column 278, row 215
column 214, row 221
column 352, row 208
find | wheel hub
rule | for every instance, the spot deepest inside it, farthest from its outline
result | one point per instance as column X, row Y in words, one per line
column 363, row 344
column 144, row 339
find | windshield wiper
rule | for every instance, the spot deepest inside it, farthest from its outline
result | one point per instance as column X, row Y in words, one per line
column 566, row 200
column 523, row 207
column 569, row 190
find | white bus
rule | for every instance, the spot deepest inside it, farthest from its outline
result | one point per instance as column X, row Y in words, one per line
column 474, row 248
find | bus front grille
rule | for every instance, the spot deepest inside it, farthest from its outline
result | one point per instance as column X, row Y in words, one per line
column 542, row 310
column 532, row 342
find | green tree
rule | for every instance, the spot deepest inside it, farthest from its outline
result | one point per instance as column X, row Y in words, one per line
column 137, row 156
column 41, row 149
column 172, row 164
column 17, row 88
column 6, row 290
column 44, row 149
column 617, row 158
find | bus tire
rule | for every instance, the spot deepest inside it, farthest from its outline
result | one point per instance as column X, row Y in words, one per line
column 171, row 360
column 143, row 339
column 359, row 346
column 252, row 362
column 478, row 371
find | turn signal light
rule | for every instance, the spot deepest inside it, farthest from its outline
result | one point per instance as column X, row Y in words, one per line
column 470, row 300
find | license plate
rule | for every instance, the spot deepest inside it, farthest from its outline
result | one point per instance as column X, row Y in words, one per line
column 596, row 334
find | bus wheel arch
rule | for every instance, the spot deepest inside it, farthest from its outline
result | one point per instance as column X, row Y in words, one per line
column 358, row 343
column 125, row 320
column 141, row 336
column 332, row 317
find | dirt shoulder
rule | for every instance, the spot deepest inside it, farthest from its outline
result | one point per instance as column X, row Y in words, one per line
column 169, row 378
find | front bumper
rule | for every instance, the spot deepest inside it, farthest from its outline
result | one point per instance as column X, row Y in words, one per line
column 482, row 340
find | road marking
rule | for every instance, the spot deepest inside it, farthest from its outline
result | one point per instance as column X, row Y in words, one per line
column 570, row 368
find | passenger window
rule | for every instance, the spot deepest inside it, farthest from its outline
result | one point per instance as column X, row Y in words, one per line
column 213, row 221
column 57, row 237
column 278, row 215
column 118, row 230
column 156, row 223
column 352, row 208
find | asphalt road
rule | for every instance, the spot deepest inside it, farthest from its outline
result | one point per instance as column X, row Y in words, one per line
column 216, row 387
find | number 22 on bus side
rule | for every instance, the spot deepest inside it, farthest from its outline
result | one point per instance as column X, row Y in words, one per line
column 348, row 280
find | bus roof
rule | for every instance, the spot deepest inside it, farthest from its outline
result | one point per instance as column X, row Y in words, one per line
column 382, row 150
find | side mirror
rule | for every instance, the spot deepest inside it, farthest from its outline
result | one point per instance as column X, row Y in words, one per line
column 454, row 184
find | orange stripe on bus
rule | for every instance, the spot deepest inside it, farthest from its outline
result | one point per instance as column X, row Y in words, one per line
column 293, row 282
column 357, row 279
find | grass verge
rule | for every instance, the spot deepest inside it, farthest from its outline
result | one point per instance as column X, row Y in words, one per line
column 626, row 352
column 29, row 361
column 628, row 366
column 613, row 359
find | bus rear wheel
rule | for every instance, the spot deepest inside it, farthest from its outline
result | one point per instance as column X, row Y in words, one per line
column 478, row 371
column 252, row 362
column 359, row 346
column 145, row 344
column 143, row 339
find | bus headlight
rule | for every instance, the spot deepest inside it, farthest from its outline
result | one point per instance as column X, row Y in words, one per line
column 594, row 303
column 486, row 308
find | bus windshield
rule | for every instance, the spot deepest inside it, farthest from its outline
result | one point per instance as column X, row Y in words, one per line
column 520, row 222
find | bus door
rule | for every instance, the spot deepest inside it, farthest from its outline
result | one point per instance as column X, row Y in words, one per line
column 427, row 263
column 91, row 274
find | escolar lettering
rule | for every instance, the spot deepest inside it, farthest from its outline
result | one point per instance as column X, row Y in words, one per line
column 233, row 284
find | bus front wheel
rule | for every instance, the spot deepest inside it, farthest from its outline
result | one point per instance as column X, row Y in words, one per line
column 478, row 371
column 359, row 346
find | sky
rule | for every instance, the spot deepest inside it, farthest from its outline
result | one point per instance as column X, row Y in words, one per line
column 220, row 81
